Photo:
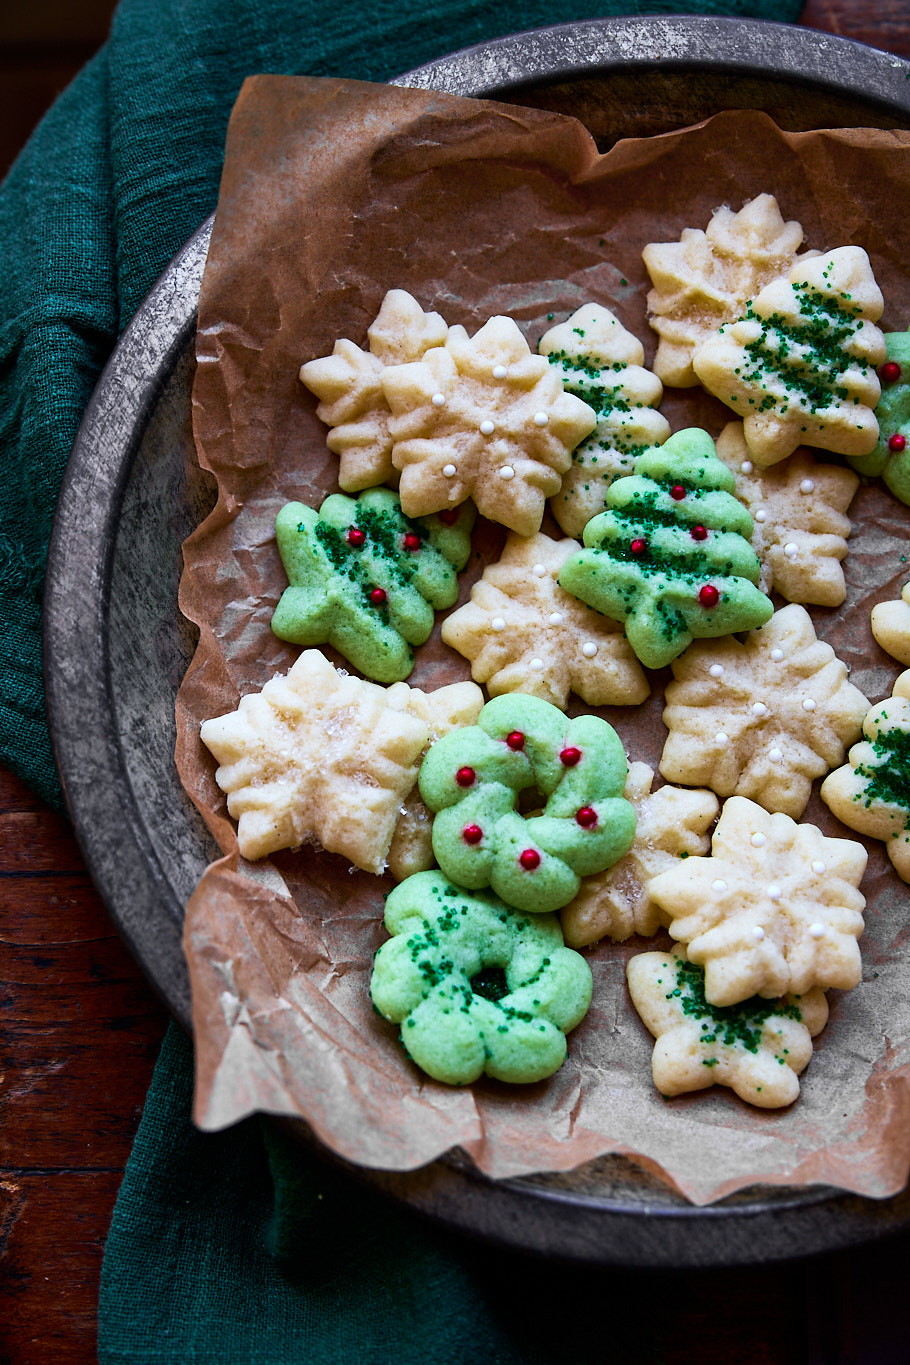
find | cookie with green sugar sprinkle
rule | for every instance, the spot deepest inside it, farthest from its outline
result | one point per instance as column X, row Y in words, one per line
column 891, row 457
column 758, row 1047
column 366, row 579
column 477, row 987
column 473, row 778
column 671, row 556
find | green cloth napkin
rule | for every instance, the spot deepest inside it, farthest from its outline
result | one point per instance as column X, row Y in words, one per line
column 233, row 1247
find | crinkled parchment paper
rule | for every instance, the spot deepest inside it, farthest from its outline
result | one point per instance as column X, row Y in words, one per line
column 333, row 193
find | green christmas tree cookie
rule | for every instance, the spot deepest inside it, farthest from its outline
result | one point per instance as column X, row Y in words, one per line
column 366, row 579
column 891, row 457
column 671, row 555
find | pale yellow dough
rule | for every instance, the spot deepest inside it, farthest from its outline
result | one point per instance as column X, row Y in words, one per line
column 891, row 626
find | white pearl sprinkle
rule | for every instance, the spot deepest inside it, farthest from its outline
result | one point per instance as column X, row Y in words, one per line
column 819, row 867
column 761, row 515
column 506, row 471
column 758, row 933
column 807, row 486
column 539, row 570
column 537, row 665
column 747, row 466
column 589, row 649
column 449, row 470
column 719, row 885
column 555, row 618
column 777, row 655
column 775, row 755
column 541, row 419
column 716, row 670
column 497, row 623
column 759, row 708
column 808, row 704
column 758, row 840
column 438, row 400
column 487, row 428
column 499, row 372
column 817, row 930
column 721, row 738
column 774, row 892
column 791, row 550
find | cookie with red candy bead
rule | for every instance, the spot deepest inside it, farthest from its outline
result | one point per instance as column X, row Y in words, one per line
column 891, row 456
column 474, row 777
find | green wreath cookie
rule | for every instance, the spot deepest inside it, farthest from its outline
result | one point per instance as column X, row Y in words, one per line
column 473, row 777
column 476, row 986
column 891, row 456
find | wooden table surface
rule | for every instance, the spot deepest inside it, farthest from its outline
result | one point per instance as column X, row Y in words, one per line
column 81, row 1027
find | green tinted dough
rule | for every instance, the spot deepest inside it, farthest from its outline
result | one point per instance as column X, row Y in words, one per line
column 332, row 581
column 477, row 987
column 893, row 413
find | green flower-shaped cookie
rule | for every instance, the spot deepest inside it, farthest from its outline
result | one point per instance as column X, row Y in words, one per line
column 472, row 779
column 891, row 457
column 366, row 579
column 476, row 986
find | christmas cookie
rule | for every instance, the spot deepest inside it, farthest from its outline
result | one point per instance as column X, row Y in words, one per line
column 670, row 824
column 762, row 718
column 707, row 278
column 671, row 557
column 319, row 757
column 366, row 579
column 523, row 633
column 473, row 778
column 798, row 509
column 476, row 987
column 799, row 365
column 891, row 626
column 871, row 792
column 482, row 417
column 602, row 364
column 775, row 909
column 891, row 456
column 348, row 385
column 757, row 1048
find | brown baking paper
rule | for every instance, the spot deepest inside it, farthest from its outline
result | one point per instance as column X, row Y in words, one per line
column 334, row 192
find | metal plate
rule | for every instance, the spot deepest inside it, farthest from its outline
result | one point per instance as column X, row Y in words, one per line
column 116, row 646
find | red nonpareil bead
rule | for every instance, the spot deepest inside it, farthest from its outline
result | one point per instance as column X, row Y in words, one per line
column 677, row 492
column 412, row 541
column 897, row 442
column 515, row 740
column 638, row 546
column 356, row 537
column 529, row 859
column 465, row 777
column 708, row 596
column 890, row 372
column 472, row 834
column 448, row 516
column 378, row 597
column 586, row 817
column 570, row 756
column 698, row 533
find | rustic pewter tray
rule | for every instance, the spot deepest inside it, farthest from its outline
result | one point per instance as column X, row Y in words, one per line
column 116, row 647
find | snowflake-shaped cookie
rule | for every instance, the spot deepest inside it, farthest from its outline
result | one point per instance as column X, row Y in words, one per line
column 483, row 417
column 756, row 1048
column 799, row 365
column 776, row 908
column 602, row 364
column 671, row 824
column 319, row 756
column 706, row 278
column 891, row 626
column 348, row 385
column 798, row 510
column 761, row 719
column 871, row 792
column 522, row 632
